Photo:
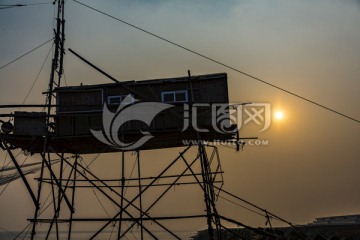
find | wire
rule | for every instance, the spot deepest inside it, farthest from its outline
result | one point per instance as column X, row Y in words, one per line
column 24, row 166
column 19, row 234
column 102, row 206
column 6, row 6
column 20, row 166
column 3, row 167
column 220, row 63
column 23, row 5
column 42, row 210
column 5, row 230
column 26, row 53
column 132, row 171
column 26, row 233
column 267, row 214
column 65, row 79
column 34, row 4
column 37, row 76
column 6, row 186
column 237, row 204
column 1, row 8
column 21, row 152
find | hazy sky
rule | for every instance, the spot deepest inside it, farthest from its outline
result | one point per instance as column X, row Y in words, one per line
column 311, row 166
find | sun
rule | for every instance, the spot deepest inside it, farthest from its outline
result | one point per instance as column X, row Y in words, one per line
column 279, row 115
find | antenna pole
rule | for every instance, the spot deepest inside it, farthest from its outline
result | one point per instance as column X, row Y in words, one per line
column 56, row 72
column 57, row 62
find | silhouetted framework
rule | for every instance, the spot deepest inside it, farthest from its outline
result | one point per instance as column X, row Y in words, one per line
column 46, row 134
column 62, row 137
column 80, row 110
column 80, row 176
column 203, row 170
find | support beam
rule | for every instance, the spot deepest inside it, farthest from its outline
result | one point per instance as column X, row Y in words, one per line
column 140, row 198
column 18, row 168
column 61, row 198
column 134, row 199
column 122, row 191
column 48, row 220
column 73, row 194
column 165, row 191
column 141, row 178
column 33, row 231
column 123, row 85
column 136, row 186
column 103, row 192
column 57, row 182
column 255, row 230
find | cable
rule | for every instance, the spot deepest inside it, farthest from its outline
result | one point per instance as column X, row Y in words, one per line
column 6, row 6
column 237, row 204
column 23, row 5
column 24, row 166
column 65, row 79
column 102, row 206
column 34, row 4
column 26, row 53
column 132, row 171
column 19, row 234
column 3, row 167
column 26, row 233
column 37, row 76
column 220, row 63
column 32, row 86
column 5, row 230
column 6, row 186
column 1, row 8
column 272, row 215
column 42, row 210
column 7, row 165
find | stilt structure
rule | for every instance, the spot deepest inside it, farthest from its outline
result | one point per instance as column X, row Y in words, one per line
column 45, row 139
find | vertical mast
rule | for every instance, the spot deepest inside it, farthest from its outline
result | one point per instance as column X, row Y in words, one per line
column 56, row 73
column 57, row 62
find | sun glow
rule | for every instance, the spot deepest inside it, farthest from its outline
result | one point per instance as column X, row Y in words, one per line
column 279, row 115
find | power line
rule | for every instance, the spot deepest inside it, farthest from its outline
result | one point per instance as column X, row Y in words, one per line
column 220, row 63
column 258, row 208
column 20, row 166
column 37, row 76
column 237, row 204
column 3, row 167
column 5, row 230
column 6, row 6
column 26, row 53
column 1, row 8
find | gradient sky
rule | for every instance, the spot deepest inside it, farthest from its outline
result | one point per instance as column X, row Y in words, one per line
column 311, row 166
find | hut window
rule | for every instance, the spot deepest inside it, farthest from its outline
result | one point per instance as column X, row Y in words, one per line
column 116, row 100
column 174, row 96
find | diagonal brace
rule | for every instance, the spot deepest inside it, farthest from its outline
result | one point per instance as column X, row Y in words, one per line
column 18, row 168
